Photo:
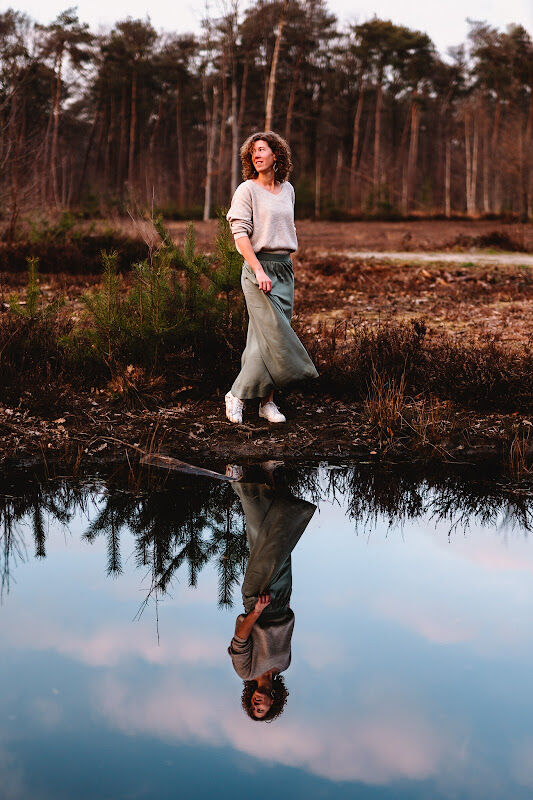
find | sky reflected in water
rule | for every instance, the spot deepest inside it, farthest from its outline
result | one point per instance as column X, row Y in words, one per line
column 411, row 655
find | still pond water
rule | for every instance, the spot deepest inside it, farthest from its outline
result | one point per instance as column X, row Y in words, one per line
column 411, row 657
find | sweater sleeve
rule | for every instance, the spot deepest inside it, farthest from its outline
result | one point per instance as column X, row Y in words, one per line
column 240, row 215
column 292, row 193
column 240, row 651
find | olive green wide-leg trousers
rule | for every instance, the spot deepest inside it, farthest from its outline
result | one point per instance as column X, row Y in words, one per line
column 274, row 525
column 274, row 356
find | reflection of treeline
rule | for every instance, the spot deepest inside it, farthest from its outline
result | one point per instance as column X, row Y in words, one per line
column 377, row 119
column 180, row 525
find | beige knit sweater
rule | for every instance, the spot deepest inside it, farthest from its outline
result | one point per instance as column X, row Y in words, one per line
column 266, row 218
column 268, row 647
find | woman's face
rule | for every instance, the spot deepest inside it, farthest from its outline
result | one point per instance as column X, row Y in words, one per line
column 261, row 703
column 263, row 158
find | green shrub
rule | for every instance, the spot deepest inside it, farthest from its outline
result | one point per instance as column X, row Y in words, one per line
column 30, row 343
column 182, row 306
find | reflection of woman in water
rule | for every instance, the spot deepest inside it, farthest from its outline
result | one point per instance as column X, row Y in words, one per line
column 261, row 646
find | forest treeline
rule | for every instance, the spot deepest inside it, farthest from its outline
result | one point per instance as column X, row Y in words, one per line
column 378, row 121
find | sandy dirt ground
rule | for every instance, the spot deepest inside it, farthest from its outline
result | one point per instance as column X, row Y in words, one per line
column 473, row 301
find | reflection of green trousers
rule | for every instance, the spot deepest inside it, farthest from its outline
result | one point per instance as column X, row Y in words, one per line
column 274, row 524
column 274, row 355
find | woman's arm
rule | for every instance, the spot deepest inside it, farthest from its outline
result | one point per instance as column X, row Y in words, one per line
column 244, row 246
column 244, row 628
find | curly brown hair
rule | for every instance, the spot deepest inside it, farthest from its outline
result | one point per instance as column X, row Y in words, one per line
column 279, row 147
column 280, row 698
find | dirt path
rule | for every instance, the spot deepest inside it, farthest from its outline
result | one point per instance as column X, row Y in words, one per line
column 471, row 257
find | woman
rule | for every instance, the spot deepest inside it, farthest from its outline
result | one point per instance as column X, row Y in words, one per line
column 261, row 218
column 261, row 645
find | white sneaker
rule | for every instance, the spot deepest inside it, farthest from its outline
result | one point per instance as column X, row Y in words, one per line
column 271, row 412
column 234, row 408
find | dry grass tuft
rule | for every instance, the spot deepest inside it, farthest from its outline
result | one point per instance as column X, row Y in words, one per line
column 520, row 453
column 384, row 405
column 132, row 387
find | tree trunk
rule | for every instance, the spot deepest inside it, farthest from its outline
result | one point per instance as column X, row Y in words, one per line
column 45, row 162
column 447, row 180
column 242, row 101
column 486, row 166
column 133, row 127
column 223, row 124
column 354, row 164
column 318, row 178
column 269, row 113
column 64, row 181
column 412, row 156
column 336, row 180
column 108, row 143
column 234, row 124
column 475, row 150
column 151, row 177
column 292, row 96
column 211, row 121
column 182, row 199
column 121, row 161
column 468, row 165
column 88, row 148
column 157, row 124
column 377, row 140
column 496, row 204
column 99, row 142
column 471, row 153
column 526, row 161
column 55, row 130
column 14, row 143
column 403, row 158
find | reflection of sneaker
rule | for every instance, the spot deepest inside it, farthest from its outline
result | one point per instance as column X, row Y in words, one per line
column 234, row 408
column 234, row 471
column 271, row 412
column 271, row 465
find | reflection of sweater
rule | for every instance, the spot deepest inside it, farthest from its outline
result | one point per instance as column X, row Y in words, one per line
column 268, row 647
column 266, row 218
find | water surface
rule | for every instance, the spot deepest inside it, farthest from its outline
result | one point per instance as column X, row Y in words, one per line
column 411, row 655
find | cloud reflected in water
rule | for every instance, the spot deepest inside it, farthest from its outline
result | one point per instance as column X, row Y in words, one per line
column 375, row 747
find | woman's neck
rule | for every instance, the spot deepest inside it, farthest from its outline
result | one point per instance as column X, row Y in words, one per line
column 264, row 681
column 268, row 180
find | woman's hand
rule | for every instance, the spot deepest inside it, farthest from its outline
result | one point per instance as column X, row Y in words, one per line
column 263, row 281
column 244, row 246
column 262, row 602
column 244, row 627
